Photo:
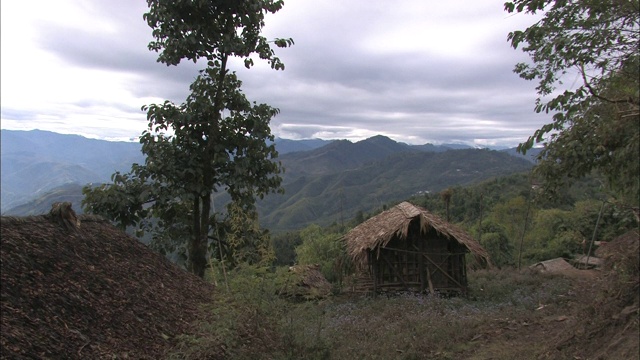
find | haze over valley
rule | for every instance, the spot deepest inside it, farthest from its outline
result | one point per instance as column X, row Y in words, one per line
column 324, row 180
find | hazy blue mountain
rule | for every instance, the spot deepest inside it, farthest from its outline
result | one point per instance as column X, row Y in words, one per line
column 99, row 156
column 431, row 148
column 342, row 155
column 42, row 204
column 285, row 146
column 323, row 180
column 36, row 161
column 442, row 147
column 455, row 146
column 531, row 155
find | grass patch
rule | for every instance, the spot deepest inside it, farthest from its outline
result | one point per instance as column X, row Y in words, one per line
column 252, row 322
column 526, row 289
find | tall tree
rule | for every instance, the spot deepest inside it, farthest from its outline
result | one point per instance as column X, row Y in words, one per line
column 216, row 140
column 446, row 197
column 596, row 125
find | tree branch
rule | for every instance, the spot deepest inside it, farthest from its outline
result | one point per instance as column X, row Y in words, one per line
column 598, row 96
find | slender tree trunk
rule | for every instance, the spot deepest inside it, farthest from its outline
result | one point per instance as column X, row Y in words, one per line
column 595, row 231
column 448, row 216
column 195, row 236
column 524, row 230
column 199, row 251
column 200, row 239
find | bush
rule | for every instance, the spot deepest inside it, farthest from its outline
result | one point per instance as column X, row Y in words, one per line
column 326, row 250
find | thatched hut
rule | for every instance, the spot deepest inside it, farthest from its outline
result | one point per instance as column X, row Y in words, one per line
column 409, row 248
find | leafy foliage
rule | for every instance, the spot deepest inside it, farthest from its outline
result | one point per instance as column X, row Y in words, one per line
column 551, row 236
column 595, row 126
column 284, row 247
column 499, row 246
column 323, row 248
column 495, row 211
column 215, row 140
column 247, row 243
column 213, row 30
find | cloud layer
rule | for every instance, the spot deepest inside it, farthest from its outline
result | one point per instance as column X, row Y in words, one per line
column 416, row 71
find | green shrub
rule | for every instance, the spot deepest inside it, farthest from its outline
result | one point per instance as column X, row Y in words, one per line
column 324, row 249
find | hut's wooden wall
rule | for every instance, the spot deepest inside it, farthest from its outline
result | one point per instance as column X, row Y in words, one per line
column 428, row 262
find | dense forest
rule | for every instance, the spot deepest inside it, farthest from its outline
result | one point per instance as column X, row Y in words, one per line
column 516, row 223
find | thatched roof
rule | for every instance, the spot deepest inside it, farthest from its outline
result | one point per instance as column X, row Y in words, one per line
column 380, row 229
column 553, row 266
column 309, row 282
column 587, row 261
column 89, row 291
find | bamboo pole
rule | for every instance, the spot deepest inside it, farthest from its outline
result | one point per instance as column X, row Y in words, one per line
column 431, row 291
column 595, row 230
column 524, row 228
column 224, row 270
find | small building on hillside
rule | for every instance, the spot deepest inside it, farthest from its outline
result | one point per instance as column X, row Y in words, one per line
column 409, row 248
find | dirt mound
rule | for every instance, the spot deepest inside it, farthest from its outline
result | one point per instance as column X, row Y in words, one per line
column 89, row 292
column 623, row 250
column 610, row 323
column 597, row 318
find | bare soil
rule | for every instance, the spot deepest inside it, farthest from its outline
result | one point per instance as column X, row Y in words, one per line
column 582, row 324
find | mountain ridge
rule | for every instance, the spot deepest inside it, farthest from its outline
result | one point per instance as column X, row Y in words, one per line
column 322, row 168
column 324, row 198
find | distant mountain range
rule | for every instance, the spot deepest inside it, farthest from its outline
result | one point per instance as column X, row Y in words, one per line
column 324, row 180
column 34, row 162
column 334, row 182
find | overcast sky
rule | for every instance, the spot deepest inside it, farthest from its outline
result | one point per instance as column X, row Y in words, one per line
column 419, row 71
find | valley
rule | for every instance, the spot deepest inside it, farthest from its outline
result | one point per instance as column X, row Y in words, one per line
column 324, row 181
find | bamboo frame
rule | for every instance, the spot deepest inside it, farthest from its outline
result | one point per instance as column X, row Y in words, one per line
column 395, row 267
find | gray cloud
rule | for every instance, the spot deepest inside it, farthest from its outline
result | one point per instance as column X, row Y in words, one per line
column 416, row 71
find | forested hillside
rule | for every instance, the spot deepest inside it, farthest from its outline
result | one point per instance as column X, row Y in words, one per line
column 269, row 237
column 325, row 181
column 335, row 196
column 514, row 221
column 34, row 162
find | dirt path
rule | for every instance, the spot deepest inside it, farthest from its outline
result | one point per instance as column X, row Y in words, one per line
column 569, row 328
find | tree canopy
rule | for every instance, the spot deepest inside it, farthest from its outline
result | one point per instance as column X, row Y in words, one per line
column 596, row 124
column 213, row 30
column 216, row 140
